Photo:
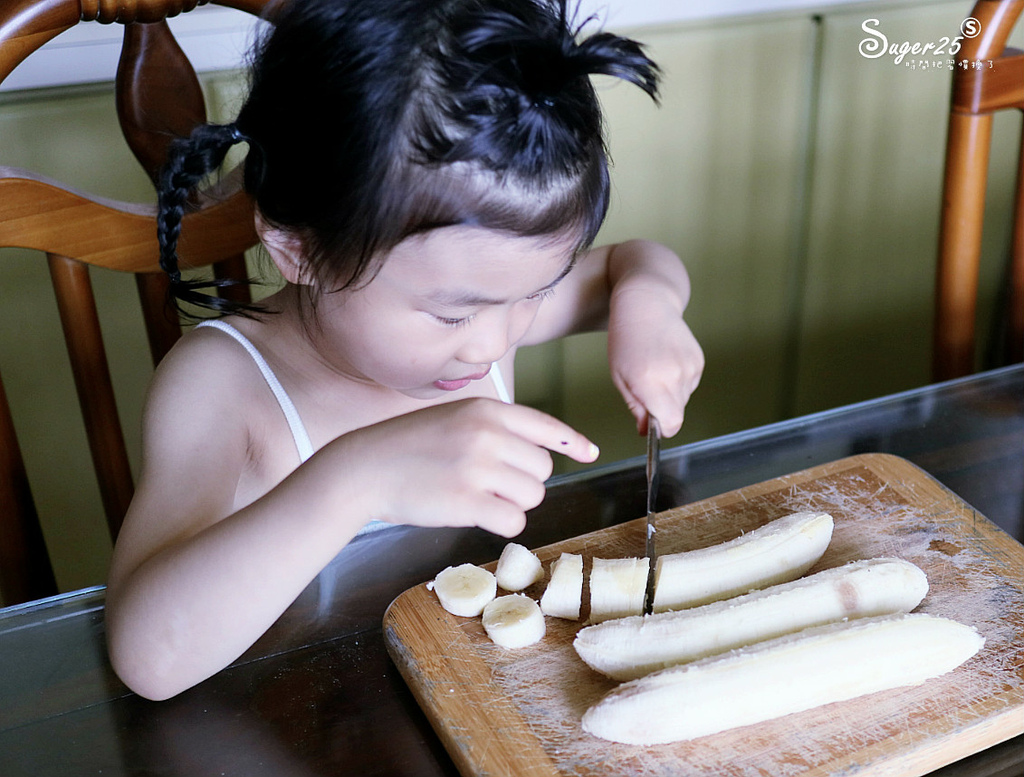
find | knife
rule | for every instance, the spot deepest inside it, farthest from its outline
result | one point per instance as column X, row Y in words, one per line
column 653, row 477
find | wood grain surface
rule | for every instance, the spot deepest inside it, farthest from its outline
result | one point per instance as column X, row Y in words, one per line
column 502, row 712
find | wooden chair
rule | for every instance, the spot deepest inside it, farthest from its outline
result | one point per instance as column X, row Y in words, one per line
column 995, row 84
column 158, row 95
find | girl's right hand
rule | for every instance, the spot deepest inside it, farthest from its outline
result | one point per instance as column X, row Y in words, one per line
column 474, row 462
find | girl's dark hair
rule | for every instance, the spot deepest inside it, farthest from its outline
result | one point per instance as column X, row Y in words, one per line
column 369, row 121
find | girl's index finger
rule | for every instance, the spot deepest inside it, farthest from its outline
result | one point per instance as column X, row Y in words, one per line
column 587, row 456
column 551, row 433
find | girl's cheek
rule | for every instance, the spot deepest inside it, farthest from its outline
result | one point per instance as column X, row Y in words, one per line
column 521, row 319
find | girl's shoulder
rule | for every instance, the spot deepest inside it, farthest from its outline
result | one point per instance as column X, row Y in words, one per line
column 206, row 381
column 206, row 360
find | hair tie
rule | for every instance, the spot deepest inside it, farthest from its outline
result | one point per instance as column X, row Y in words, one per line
column 175, row 277
column 237, row 136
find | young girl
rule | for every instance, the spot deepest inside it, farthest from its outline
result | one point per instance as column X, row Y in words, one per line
column 428, row 176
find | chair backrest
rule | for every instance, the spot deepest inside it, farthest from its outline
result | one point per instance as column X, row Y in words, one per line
column 158, row 96
column 988, row 78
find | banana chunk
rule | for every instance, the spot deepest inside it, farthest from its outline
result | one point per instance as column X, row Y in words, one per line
column 782, row 676
column 517, row 568
column 617, row 587
column 464, row 590
column 628, row 648
column 777, row 552
column 513, row 621
column 564, row 595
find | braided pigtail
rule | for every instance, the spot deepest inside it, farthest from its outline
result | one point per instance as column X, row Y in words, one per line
column 189, row 160
column 521, row 80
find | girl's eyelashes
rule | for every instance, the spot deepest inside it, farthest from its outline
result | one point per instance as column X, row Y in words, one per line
column 454, row 322
column 542, row 294
column 464, row 320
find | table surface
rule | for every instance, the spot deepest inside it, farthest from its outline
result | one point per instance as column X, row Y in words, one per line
column 318, row 695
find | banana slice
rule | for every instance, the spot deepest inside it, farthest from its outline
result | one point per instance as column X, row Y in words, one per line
column 518, row 568
column 782, row 676
column 777, row 552
column 628, row 648
column 513, row 621
column 617, row 587
column 465, row 589
column 564, row 594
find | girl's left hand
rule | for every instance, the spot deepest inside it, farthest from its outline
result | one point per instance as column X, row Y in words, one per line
column 656, row 362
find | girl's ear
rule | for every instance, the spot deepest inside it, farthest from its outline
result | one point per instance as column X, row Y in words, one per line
column 285, row 248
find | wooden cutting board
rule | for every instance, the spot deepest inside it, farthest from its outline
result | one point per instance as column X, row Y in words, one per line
column 517, row 712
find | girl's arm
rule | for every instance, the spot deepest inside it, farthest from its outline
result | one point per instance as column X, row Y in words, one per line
column 195, row 580
column 639, row 291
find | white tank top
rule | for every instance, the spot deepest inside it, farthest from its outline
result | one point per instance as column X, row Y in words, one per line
column 302, row 442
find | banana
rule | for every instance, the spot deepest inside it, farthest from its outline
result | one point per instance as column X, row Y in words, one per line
column 465, row 589
column 617, row 587
column 513, row 621
column 782, row 676
column 517, row 568
column 628, row 648
column 777, row 552
column 564, row 594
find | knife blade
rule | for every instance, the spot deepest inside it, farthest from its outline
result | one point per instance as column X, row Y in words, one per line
column 653, row 478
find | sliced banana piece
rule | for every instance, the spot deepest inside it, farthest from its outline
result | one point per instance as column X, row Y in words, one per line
column 564, row 595
column 777, row 552
column 517, row 568
column 628, row 648
column 513, row 621
column 617, row 587
column 464, row 590
column 779, row 677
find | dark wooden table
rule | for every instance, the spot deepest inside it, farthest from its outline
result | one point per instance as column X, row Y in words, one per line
column 318, row 694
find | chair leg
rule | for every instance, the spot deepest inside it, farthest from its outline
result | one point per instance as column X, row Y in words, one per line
column 234, row 268
column 963, row 210
column 1015, row 325
column 95, row 391
column 25, row 570
column 162, row 326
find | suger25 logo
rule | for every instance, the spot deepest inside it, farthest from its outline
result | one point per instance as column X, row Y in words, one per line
column 878, row 45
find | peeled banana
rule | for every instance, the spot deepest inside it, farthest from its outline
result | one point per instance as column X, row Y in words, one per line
column 464, row 590
column 513, row 621
column 617, row 587
column 518, row 568
column 777, row 552
column 564, row 595
column 775, row 678
column 627, row 648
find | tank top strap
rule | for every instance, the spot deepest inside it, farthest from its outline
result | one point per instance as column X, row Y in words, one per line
column 499, row 384
column 302, row 442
